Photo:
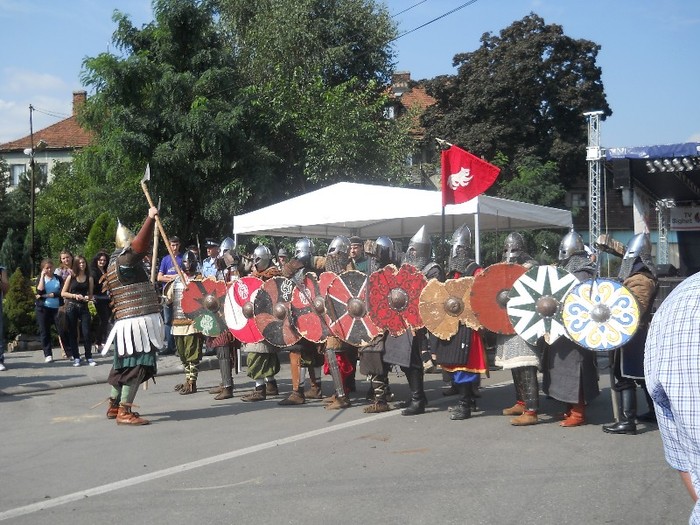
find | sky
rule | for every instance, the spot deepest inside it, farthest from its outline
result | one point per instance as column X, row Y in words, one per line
column 649, row 52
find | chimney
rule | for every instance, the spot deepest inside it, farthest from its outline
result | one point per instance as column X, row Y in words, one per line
column 79, row 98
column 399, row 81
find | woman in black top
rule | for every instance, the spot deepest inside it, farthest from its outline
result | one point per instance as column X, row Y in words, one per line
column 77, row 291
column 101, row 296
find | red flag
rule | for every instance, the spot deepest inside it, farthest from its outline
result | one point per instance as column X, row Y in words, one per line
column 465, row 176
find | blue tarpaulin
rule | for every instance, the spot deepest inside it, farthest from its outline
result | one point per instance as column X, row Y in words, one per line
column 686, row 149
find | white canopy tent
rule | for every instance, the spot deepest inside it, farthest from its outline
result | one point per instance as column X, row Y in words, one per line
column 369, row 211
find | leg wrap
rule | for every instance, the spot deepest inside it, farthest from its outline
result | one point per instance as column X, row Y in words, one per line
column 530, row 387
column 515, row 372
column 224, row 355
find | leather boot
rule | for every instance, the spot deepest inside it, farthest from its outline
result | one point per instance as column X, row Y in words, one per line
column 379, row 386
column 226, row 393
column 529, row 417
column 126, row 417
column 271, row 388
column 314, row 391
column 113, row 408
column 463, row 409
column 577, row 416
column 295, row 398
column 338, row 403
column 189, row 387
column 418, row 400
column 256, row 395
column 627, row 424
column 517, row 409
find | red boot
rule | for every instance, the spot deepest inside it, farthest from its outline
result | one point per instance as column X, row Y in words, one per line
column 577, row 416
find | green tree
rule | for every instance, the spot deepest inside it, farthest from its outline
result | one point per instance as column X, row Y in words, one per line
column 11, row 251
column 522, row 92
column 101, row 236
column 318, row 71
column 19, row 306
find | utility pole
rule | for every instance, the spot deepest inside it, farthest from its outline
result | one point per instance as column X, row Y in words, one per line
column 32, row 193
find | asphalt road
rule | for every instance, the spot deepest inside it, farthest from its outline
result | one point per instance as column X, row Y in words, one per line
column 206, row 461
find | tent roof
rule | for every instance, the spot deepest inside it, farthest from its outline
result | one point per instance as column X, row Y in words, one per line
column 369, row 211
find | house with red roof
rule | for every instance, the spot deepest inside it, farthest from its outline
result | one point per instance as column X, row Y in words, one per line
column 56, row 143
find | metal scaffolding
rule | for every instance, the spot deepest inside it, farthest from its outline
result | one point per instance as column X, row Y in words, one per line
column 663, row 211
column 594, row 156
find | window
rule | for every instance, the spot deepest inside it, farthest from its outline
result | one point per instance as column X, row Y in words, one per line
column 16, row 171
column 579, row 200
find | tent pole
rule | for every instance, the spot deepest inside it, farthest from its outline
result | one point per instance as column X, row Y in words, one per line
column 443, row 258
column 477, row 235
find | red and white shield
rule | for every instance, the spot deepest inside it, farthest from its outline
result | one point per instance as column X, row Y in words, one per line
column 346, row 304
column 238, row 309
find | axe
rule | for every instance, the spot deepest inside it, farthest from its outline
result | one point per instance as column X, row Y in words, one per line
column 146, row 177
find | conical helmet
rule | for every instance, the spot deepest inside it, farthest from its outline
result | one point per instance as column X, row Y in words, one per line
column 124, row 236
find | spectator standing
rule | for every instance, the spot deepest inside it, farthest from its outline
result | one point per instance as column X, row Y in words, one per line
column 77, row 291
column 98, row 270
column 48, row 299
column 166, row 274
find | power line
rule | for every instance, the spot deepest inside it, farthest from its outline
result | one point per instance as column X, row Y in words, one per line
column 408, row 9
column 50, row 113
column 465, row 4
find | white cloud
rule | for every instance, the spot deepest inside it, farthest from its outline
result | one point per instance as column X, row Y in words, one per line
column 17, row 80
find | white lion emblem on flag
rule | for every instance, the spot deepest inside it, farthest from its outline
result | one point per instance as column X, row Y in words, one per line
column 461, row 178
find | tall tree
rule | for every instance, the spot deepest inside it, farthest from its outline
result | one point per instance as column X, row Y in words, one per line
column 173, row 99
column 319, row 72
column 523, row 92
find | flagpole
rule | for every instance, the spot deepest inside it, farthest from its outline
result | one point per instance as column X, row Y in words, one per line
column 442, row 239
column 477, row 242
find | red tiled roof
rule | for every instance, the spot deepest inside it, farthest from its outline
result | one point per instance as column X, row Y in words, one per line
column 66, row 134
column 417, row 97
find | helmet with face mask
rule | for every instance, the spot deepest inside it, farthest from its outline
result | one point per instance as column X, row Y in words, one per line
column 637, row 257
column 262, row 258
column 461, row 253
column 514, row 248
column 384, row 251
column 189, row 262
column 419, row 250
column 338, row 255
column 304, row 251
column 570, row 245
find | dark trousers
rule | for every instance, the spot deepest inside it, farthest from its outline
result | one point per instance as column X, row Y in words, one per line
column 78, row 316
column 46, row 318
column 103, row 327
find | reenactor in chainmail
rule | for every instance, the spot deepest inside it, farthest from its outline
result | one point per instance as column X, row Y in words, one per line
column 570, row 374
column 406, row 350
column 304, row 356
column 372, row 362
column 462, row 356
column 138, row 332
column 638, row 275
column 189, row 342
column 516, row 354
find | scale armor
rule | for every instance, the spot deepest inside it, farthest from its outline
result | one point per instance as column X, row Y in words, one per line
column 132, row 293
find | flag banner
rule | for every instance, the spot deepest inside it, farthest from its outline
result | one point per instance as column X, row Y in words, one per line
column 465, row 176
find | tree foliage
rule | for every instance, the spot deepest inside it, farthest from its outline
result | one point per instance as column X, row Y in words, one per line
column 18, row 306
column 235, row 105
column 101, row 236
column 522, row 92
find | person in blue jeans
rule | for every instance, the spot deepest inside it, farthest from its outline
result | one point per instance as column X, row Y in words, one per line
column 166, row 273
column 48, row 299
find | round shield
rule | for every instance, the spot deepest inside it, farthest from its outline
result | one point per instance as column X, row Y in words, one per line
column 601, row 314
column 346, row 305
column 489, row 296
column 394, row 296
column 239, row 309
column 273, row 311
column 203, row 302
column 535, row 303
column 444, row 305
column 309, row 309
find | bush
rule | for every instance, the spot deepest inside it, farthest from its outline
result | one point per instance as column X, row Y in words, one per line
column 19, row 307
